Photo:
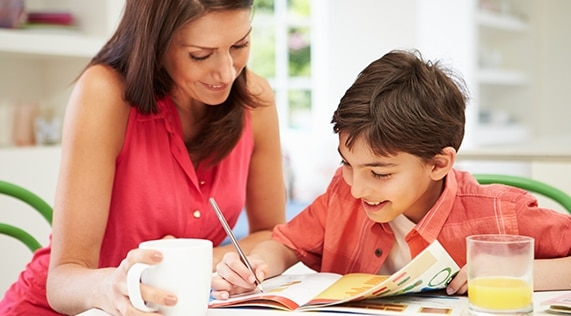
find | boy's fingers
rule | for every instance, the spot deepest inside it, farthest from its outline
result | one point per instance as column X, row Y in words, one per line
column 229, row 274
column 220, row 295
column 219, row 284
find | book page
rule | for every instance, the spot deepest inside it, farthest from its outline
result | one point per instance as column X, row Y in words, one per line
column 559, row 304
column 432, row 269
column 427, row 305
column 286, row 292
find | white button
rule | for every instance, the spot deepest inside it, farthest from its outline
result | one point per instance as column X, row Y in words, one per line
column 196, row 214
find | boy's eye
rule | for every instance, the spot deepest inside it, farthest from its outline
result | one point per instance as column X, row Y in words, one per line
column 381, row 175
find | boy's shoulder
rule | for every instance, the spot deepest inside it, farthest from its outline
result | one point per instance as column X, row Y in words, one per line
column 468, row 187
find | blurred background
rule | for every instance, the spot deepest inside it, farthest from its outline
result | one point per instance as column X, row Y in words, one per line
column 512, row 54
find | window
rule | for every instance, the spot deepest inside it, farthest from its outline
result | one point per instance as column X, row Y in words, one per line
column 287, row 36
column 281, row 52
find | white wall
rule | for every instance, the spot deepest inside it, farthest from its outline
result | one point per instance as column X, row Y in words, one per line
column 553, row 68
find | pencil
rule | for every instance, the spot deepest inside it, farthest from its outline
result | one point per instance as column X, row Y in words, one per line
column 234, row 241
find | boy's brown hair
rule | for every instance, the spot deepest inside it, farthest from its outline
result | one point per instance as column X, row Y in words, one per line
column 401, row 103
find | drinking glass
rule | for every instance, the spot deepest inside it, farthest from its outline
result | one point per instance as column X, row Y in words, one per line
column 500, row 274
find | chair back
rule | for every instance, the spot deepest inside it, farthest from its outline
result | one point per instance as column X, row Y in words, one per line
column 35, row 202
column 530, row 185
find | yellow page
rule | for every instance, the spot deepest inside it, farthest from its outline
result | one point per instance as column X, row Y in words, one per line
column 432, row 269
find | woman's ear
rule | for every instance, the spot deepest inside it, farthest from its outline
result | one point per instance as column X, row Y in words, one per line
column 442, row 163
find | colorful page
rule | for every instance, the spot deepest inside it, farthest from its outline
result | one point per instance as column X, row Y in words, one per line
column 427, row 305
column 432, row 269
column 285, row 292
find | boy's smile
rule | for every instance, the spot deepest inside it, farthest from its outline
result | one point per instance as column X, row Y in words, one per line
column 389, row 186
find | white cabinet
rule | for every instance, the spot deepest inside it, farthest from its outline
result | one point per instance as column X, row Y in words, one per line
column 95, row 21
column 504, row 90
column 491, row 44
column 38, row 66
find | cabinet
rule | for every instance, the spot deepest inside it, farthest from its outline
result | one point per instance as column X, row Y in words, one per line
column 491, row 44
column 504, row 88
column 38, row 66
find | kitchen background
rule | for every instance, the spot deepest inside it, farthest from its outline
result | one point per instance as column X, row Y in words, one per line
column 513, row 55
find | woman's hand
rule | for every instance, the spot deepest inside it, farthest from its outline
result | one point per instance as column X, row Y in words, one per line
column 233, row 277
column 117, row 297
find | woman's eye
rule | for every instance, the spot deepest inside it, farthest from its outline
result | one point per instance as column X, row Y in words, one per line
column 242, row 45
column 198, row 58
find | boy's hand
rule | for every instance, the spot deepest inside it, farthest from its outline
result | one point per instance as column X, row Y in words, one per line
column 233, row 277
column 458, row 285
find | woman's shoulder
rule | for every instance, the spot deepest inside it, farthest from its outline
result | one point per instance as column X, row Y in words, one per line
column 102, row 77
column 103, row 85
column 98, row 96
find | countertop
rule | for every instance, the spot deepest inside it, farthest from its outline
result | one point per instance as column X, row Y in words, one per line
column 552, row 149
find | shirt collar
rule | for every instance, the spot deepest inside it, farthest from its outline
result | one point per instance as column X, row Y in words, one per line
column 431, row 224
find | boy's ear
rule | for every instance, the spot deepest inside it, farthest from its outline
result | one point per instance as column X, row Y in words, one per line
column 442, row 163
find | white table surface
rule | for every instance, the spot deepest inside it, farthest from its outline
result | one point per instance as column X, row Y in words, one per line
column 300, row 268
column 538, row 309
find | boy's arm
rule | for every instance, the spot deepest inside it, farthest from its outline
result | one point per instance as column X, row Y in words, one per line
column 268, row 258
column 552, row 274
column 276, row 255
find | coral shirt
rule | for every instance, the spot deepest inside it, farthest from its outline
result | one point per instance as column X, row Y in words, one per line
column 334, row 234
column 157, row 192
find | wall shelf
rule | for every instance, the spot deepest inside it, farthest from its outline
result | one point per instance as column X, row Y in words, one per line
column 501, row 21
column 49, row 43
column 501, row 77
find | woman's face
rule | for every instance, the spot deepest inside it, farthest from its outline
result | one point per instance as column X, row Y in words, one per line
column 206, row 55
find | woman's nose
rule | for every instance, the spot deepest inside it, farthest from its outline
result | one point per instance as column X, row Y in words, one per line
column 224, row 70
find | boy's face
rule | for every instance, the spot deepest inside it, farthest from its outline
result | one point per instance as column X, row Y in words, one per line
column 389, row 186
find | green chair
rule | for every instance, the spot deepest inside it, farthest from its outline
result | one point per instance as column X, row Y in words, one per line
column 530, row 185
column 34, row 201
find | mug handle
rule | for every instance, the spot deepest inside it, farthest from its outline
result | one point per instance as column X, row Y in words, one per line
column 134, row 289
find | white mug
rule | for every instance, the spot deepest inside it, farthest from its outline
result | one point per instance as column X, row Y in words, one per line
column 185, row 270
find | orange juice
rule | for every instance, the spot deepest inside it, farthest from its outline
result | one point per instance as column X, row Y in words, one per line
column 499, row 293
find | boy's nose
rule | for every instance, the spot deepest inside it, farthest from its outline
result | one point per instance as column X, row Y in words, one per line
column 358, row 188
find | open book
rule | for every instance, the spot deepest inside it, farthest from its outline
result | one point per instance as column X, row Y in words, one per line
column 432, row 269
column 560, row 304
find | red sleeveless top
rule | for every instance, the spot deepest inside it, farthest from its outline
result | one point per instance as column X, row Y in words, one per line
column 157, row 192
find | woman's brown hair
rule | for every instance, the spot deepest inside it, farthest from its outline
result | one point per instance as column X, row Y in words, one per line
column 136, row 51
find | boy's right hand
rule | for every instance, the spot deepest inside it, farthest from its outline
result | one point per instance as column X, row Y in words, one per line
column 233, row 277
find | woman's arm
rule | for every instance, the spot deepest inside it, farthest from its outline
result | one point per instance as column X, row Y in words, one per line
column 94, row 129
column 266, row 193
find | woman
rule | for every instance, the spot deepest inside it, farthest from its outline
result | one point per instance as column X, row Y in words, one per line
column 165, row 116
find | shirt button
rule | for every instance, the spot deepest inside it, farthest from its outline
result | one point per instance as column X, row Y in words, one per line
column 196, row 214
column 202, row 182
column 378, row 252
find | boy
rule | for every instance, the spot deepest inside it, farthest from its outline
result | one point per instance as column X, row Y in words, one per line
column 400, row 126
